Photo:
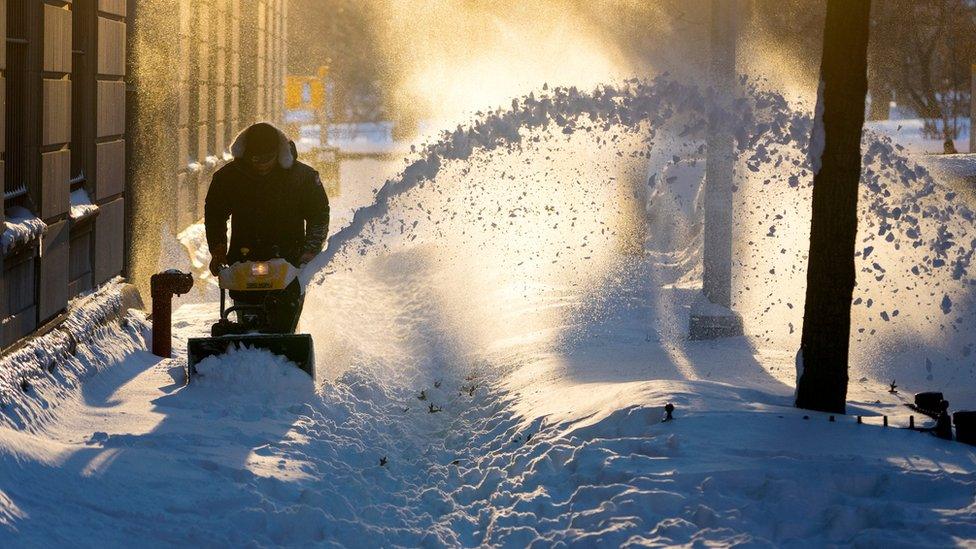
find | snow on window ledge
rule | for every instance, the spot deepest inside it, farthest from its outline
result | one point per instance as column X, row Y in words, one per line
column 20, row 227
column 81, row 206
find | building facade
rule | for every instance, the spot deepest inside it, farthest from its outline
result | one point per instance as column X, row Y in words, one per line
column 115, row 113
column 63, row 68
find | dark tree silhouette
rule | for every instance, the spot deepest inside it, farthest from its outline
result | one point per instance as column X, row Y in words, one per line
column 822, row 383
column 923, row 50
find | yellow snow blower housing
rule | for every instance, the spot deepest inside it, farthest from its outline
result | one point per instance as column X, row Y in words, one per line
column 258, row 276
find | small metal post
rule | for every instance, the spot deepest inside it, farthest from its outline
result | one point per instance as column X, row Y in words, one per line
column 669, row 412
column 911, row 422
column 860, row 420
column 164, row 286
column 885, row 421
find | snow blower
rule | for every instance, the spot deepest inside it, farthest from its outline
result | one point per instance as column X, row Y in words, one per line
column 261, row 290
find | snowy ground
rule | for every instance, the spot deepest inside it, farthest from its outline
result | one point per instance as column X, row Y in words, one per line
column 264, row 459
column 496, row 346
column 907, row 132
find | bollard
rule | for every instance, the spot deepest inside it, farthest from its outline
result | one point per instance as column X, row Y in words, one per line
column 943, row 423
column 669, row 412
column 164, row 287
column 911, row 422
column 965, row 422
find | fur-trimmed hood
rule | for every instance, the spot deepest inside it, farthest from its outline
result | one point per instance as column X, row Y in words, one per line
column 286, row 157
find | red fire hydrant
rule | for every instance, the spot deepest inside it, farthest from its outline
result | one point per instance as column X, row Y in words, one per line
column 164, row 286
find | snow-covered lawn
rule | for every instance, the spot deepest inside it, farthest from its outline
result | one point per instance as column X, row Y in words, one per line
column 908, row 133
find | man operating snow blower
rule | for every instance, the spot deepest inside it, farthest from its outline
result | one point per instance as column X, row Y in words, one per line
column 279, row 220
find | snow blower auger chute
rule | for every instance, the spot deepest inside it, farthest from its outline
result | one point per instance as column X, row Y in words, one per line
column 266, row 305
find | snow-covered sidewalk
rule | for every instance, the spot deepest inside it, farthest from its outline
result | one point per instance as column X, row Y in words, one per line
column 254, row 454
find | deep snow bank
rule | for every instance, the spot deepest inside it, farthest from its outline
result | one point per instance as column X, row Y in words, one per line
column 99, row 333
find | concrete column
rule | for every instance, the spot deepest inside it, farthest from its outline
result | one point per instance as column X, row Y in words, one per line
column 711, row 316
column 249, row 61
column 720, row 156
column 156, row 114
column 283, row 56
column 234, row 118
column 218, row 64
column 261, row 61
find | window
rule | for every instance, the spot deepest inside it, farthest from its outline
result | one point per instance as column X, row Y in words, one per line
column 82, row 89
column 80, row 275
column 20, row 263
column 15, row 157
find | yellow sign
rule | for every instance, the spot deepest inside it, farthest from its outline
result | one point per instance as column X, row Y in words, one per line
column 306, row 92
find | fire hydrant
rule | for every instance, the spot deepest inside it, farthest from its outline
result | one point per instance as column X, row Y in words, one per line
column 164, row 286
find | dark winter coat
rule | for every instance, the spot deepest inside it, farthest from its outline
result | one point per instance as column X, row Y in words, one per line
column 282, row 214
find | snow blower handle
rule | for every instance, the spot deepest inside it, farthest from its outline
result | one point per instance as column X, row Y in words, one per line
column 164, row 286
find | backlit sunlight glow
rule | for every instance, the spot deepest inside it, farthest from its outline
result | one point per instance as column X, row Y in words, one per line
column 504, row 314
column 457, row 58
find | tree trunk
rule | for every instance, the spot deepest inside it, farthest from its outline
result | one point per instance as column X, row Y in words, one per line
column 822, row 383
